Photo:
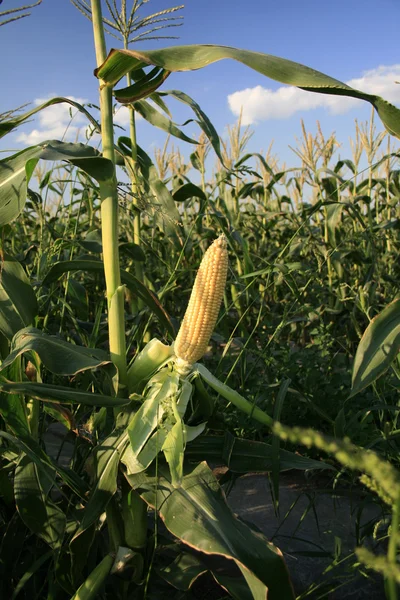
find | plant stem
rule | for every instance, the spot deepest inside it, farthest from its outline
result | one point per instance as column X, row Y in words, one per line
column 391, row 585
column 109, row 214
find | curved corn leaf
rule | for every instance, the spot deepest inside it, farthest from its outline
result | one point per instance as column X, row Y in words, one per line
column 145, row 86
column 188, row 58
column 202, row 120
column 7, row 126
column 16, row 171
column 18, row 304
column 186, row 568
column 154, row 117
column 58, row 356
column 186, row 191
column 197, row 514
column 378, row 347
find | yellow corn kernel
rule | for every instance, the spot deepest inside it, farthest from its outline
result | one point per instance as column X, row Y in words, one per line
column 204, row 304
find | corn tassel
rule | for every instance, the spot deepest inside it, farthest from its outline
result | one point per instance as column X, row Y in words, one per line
column 203, row 308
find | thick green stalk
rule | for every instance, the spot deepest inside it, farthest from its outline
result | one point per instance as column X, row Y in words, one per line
column 390, row 583
column 109, row 214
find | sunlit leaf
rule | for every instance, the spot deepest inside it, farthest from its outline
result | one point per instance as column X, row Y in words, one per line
column 57, row 355
column 188, row 58
column 378, row 347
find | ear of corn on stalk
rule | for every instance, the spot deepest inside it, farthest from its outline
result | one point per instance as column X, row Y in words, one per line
column 203, row 308
column 160, row 373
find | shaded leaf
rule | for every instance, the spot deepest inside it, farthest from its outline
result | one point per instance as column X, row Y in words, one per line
column 18, row 304
column 34, row 505
column 247, row 456
column 106, row 459
column 186, row 191
column 58, row 393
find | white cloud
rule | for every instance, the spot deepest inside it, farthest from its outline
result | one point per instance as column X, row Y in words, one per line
column 121, row 116
column 261, row 104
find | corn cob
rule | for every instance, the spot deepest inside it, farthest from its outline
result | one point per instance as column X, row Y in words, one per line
column 204, row 304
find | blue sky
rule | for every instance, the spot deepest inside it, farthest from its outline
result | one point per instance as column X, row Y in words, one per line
column 51, row 53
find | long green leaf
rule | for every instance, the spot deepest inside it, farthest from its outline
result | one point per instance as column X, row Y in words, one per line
column 202, row 120
column 7, row 126
column 188, row 58
column 244, row 456
column 58, row 356
column 378, row 347
column 58, row 393
column 18, row 305
column 34, row 505
column 44, row 463
column 13, row 406
column 90, row 588
column 106, row 460
column 197, row 514
column 154, row 117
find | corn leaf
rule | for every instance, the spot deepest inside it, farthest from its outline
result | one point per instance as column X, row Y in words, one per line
column 244, row 456
column 34, row 505
column 378, row 348
column 106, row 459
column 7, row 126
column 188, row 58
column 16, row 171
column 196, row 513
column 18, row 305
column 58, row 356
column 232, row 396
column 157, row 119
column 58, row 393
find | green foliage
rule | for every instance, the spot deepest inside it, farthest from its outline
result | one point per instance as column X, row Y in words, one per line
column 186, row 58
